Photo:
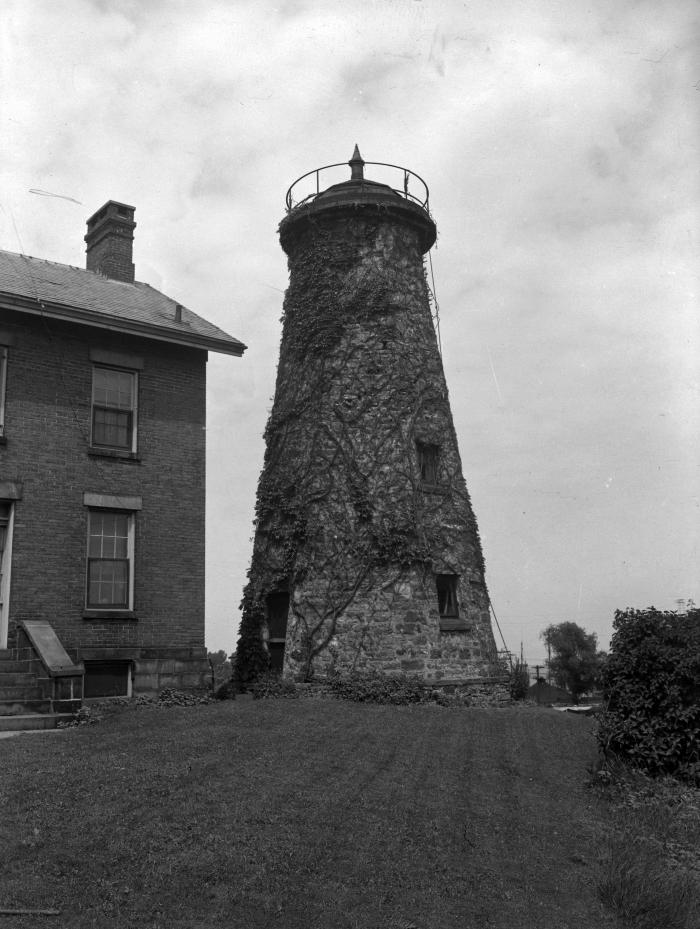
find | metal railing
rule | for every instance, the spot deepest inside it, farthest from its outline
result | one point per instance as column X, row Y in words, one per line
column 408, row 177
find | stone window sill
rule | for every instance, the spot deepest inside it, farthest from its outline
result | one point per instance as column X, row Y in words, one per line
column 96, row 452
column 110, row 614
column 450, row 624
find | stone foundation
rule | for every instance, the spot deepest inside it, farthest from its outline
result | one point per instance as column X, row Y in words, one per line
column 152, row 670
column 479, row 693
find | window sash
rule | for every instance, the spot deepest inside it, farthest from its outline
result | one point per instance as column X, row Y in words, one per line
column 3, row 382
column 111, row 427
column 110, row 556
column 108, row 583
column 114, row 392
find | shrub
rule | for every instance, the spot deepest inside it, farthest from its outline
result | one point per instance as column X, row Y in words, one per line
column 641, row 887
column 271, row 685
column 225, row 691
column 650, row 861
column 373, row 687
column 171, row 697
column 519, row 681
column 651, row 680
column 86, row 716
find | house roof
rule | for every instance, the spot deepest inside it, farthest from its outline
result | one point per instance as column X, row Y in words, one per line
column 33, row 285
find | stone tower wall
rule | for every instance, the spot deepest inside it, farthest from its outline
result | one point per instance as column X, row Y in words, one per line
column 347, row 524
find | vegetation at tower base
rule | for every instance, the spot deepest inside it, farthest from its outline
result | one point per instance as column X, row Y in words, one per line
column 346, row 526
column 519, row 680
column 652, row 684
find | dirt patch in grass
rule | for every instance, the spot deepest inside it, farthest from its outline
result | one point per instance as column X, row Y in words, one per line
column 304, row 813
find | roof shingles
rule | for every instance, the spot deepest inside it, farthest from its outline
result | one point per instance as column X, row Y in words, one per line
column 85, row 296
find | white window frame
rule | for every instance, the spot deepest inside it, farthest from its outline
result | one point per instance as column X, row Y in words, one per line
column 132, row 410
column 3, row 386
column 131, row 521
column 5, row 574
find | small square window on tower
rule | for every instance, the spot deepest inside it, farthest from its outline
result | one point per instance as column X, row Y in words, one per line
column 447, row 595
column 428, row 462
column 277, row 604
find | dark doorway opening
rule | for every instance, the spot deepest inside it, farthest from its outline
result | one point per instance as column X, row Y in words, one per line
column 277, row 611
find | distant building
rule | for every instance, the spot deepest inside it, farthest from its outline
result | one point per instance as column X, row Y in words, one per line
column 102, row 474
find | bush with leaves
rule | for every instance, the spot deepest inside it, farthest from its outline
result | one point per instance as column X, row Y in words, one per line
column 651, row 681
column 519, row 680
column 271, row 685
column 373, row 687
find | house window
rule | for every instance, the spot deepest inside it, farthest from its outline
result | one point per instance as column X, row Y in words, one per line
column 110, row 560
column 3, row 383
column 114, row 408
column 428, row 460
column 447, row 595
column 6, row 511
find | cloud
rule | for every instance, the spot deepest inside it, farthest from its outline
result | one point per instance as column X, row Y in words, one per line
column 560, row 146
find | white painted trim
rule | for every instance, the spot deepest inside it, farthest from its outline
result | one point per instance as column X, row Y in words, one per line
column 3, row 382
column 6, row 577
column 134, row 402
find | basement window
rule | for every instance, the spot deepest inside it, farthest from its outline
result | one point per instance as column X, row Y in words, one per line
column 107, row 679
column 428, row 462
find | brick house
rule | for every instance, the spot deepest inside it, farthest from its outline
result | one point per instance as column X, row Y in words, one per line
column 102, row 474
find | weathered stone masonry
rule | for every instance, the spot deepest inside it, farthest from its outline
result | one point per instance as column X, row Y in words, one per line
column 366, row 551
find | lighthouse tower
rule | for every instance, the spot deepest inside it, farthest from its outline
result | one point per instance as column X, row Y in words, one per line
column 366, row 550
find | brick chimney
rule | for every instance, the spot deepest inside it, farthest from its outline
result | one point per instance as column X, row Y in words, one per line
column 110, row 237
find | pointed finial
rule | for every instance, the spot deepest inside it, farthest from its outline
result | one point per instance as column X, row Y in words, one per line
column 357, row 166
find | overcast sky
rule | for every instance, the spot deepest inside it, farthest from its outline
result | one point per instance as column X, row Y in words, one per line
column 559, row 140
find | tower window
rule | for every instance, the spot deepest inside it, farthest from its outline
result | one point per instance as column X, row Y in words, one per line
column 277, row 604
column 428, row 461
column 447, row 595
column 277, row 611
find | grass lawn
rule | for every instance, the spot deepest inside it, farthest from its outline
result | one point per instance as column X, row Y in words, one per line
column 304, row 813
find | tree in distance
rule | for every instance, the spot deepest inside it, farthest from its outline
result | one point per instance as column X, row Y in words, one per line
column 575, row 662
